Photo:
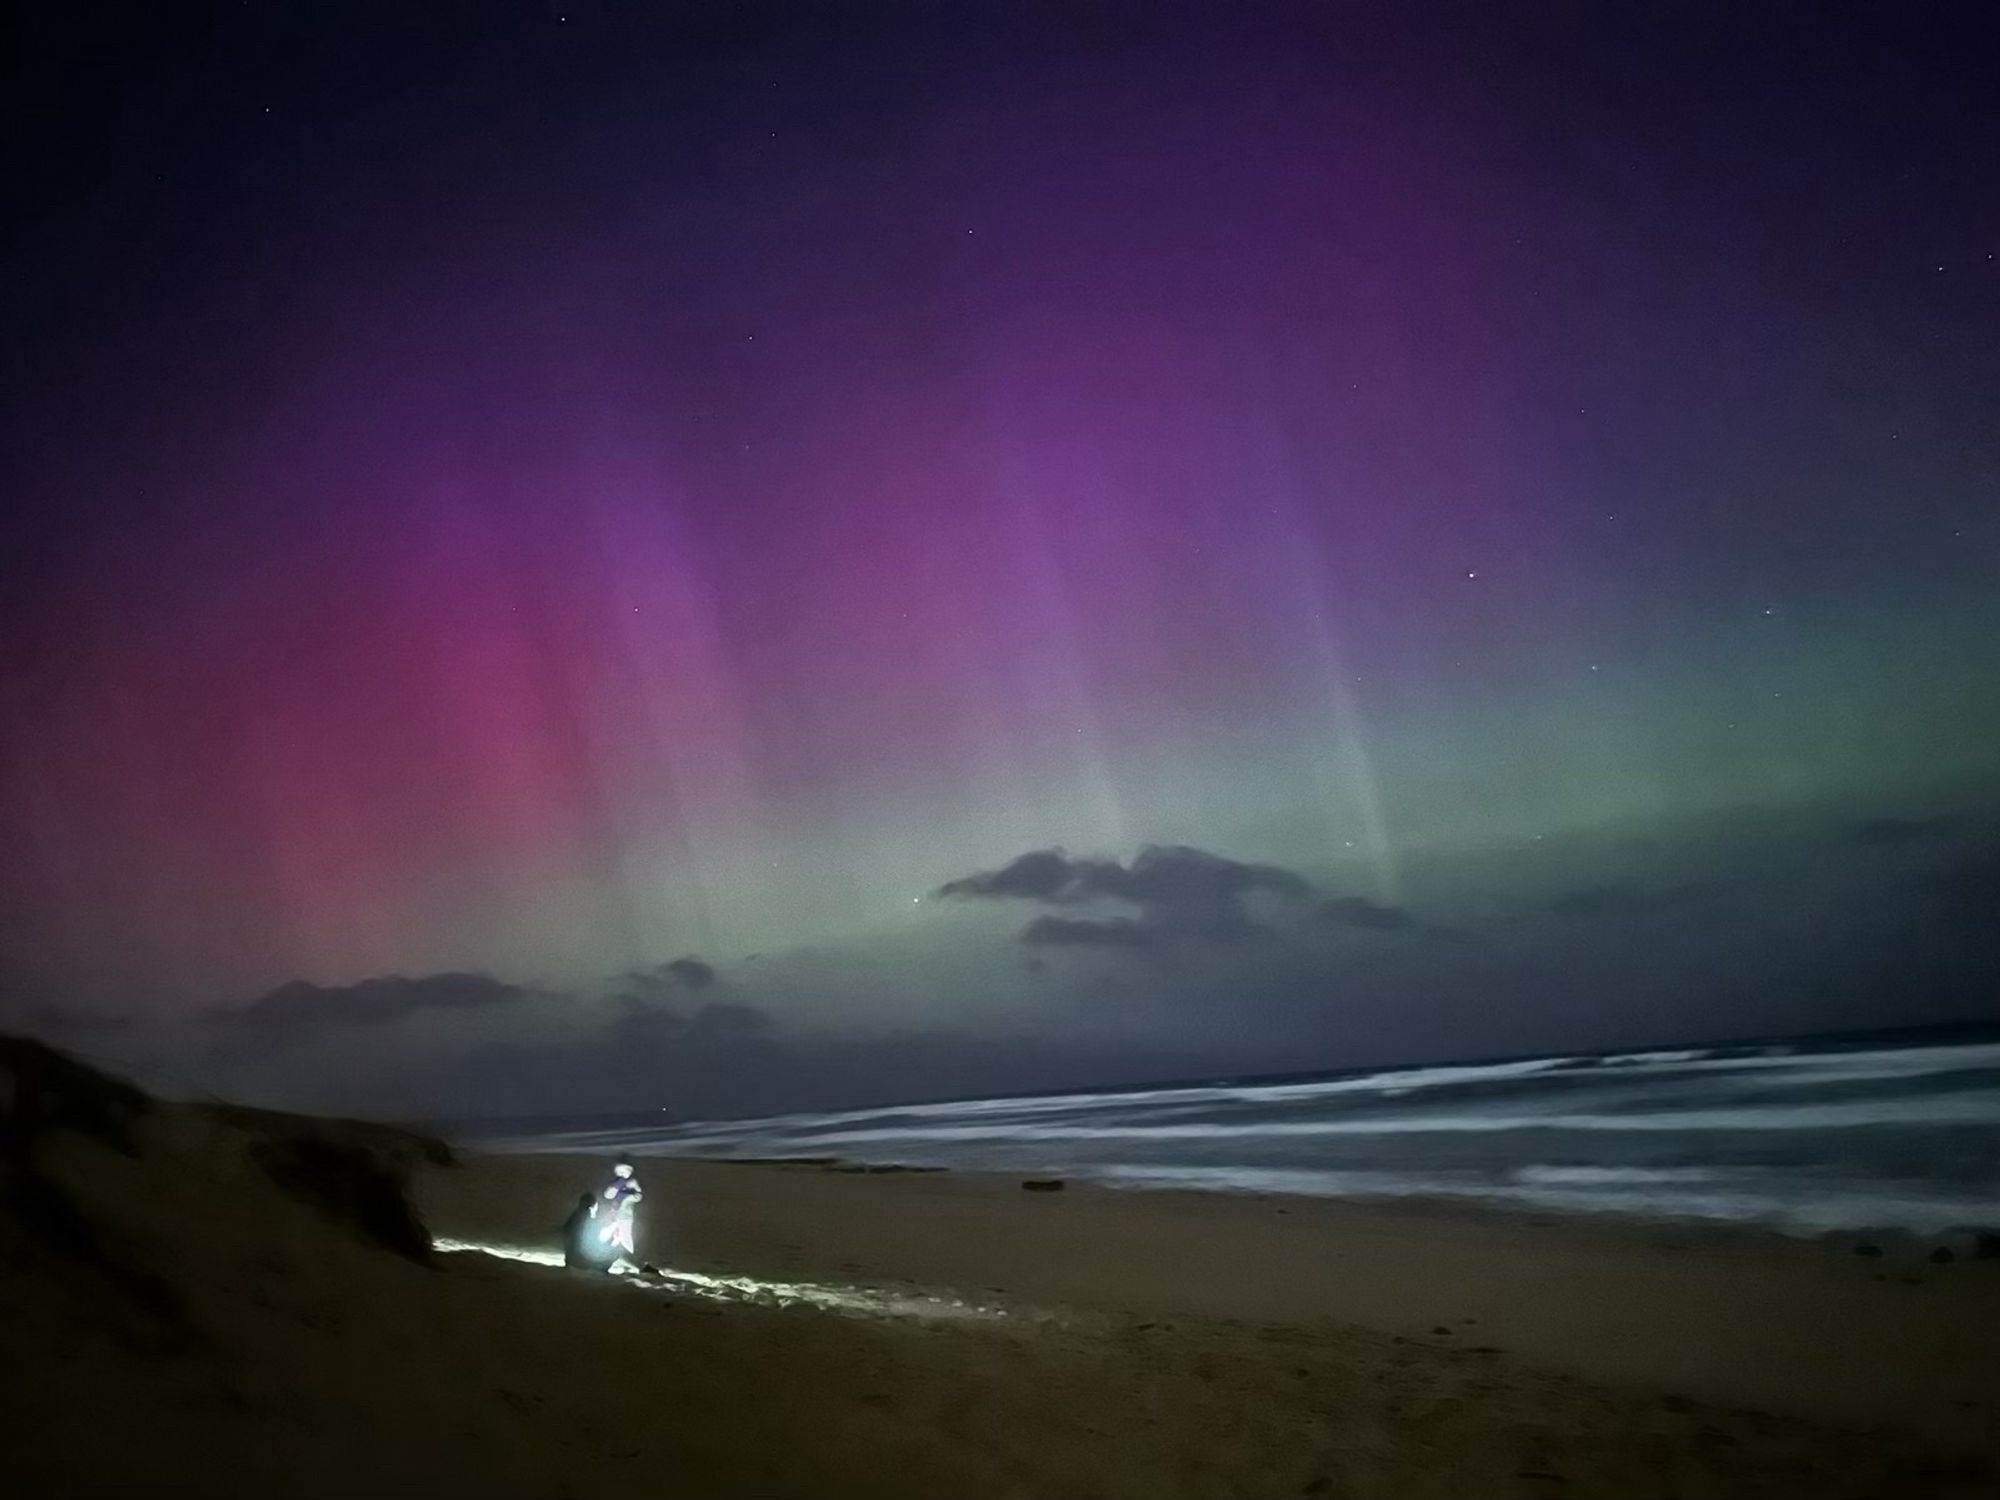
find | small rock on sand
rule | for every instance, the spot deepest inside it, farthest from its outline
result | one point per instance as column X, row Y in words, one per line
column 1042, row 1185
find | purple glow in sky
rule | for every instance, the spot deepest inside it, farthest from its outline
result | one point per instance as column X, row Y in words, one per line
column 543, row 500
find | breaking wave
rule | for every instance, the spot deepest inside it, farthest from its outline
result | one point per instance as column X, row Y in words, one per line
column 1784, row 1135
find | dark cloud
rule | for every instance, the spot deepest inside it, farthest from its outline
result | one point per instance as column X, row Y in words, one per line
column 1040, row 875
column 373, row 1002
column 1175, row 875
column 1171, row 874
column 1077, row 932
column 1359, row 911
column 649, row 1015
column 1626, row 899
column 1889, row 833
column 1181, row 893
column 692, row 972
column 661, row 983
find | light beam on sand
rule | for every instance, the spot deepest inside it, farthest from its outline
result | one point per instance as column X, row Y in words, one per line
column 868, row 1301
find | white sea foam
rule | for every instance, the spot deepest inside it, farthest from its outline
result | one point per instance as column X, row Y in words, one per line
column 1799, row 1139
column 1791, row 1071
column 1560, row 1176
column 1859, row 1115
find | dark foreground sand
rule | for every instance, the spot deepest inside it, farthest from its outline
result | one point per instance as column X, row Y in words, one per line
column 993, row 1342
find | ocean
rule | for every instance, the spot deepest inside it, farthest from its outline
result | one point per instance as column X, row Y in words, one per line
column 1806, row 1137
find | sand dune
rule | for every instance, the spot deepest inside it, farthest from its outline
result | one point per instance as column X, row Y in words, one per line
column 219, row 1309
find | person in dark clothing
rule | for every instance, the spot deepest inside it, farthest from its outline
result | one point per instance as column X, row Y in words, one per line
column 582, row 1249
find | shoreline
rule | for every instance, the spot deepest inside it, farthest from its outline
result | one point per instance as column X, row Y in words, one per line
column 1975, row 1238
column 1725, row 1313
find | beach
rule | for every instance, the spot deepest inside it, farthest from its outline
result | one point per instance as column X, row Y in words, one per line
column 1678, row 1313
column 229, row 1304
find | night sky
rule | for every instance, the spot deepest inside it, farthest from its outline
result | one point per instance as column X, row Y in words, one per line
column 562, row 555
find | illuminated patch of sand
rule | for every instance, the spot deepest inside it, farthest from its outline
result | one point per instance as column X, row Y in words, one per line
column 869, row 1301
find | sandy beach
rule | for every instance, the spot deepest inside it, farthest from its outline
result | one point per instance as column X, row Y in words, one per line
column 1728, row 1316
column 230, row 1305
